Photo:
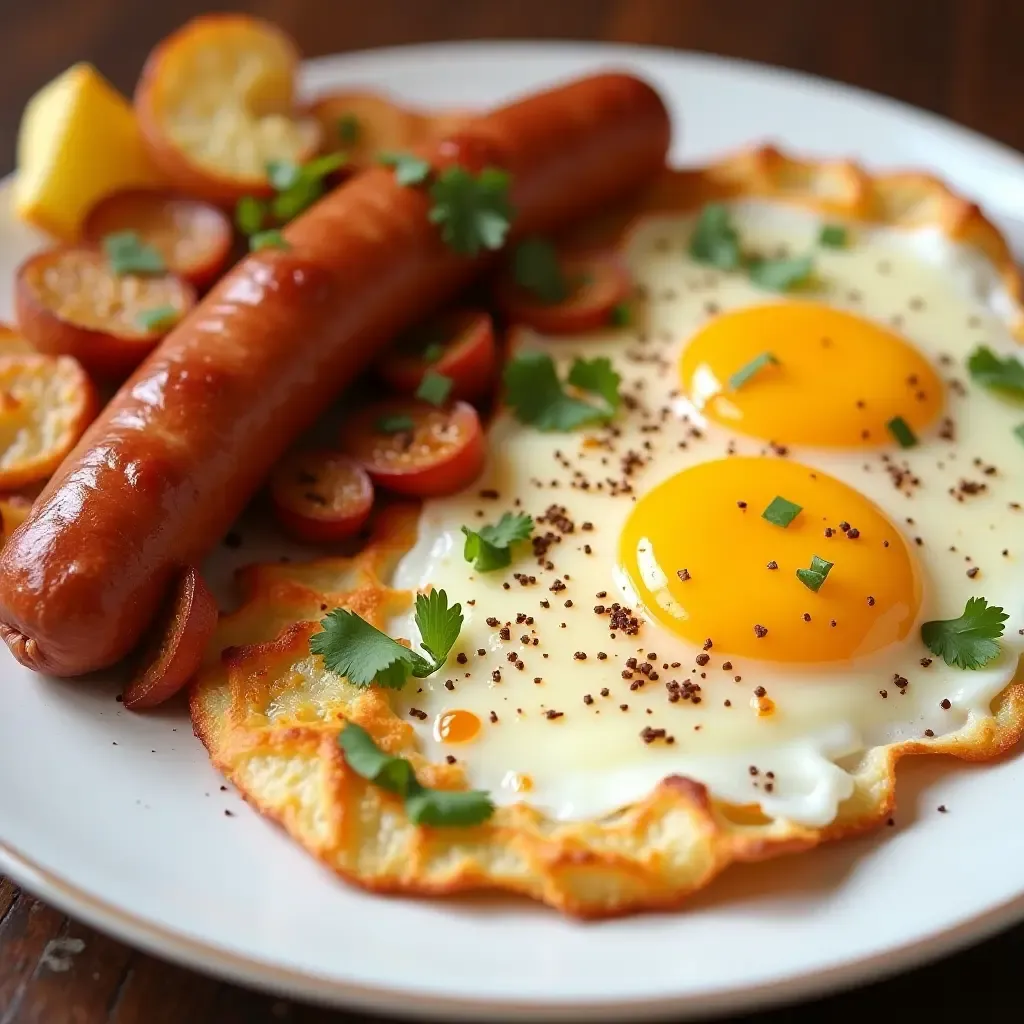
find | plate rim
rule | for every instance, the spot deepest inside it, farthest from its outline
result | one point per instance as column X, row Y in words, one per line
column 209, row 957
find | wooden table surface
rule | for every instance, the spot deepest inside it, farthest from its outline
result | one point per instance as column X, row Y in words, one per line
column 960, row 58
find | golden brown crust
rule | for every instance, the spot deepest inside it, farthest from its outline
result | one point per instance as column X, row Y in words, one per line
column 269, row 713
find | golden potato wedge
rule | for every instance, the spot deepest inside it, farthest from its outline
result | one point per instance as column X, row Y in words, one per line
column 216, row 104
column 46, row 402
column 71, row 301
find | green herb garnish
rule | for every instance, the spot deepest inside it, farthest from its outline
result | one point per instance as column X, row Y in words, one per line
column 969, row 641
column 433, row 352
column 780, row 275
column 128, row 254
column 434, row 388
column 536, row 269
column 160, row 318
column 272, row 239
column 834, row 236
column 298, row 191
column 250, row 215
column 394, row 424
column 813, row 578
column 538, row 397
column 282, row 174
column 1018, row 432
column 714, row 239
column 423, row 806
column 348, row 129
column 353, row 648
column 409, row 169
column 781, row 511
column 490, row 547
column 900, row 430
column 755, row 366
column 472, row 211
column 620, row 315
column 987, row 369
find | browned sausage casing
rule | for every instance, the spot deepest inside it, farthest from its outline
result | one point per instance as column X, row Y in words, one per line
column 188, row 439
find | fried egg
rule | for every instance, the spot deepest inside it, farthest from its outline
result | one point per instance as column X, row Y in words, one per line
column 657, row 625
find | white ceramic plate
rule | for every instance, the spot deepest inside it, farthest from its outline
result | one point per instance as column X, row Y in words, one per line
column 119, row 819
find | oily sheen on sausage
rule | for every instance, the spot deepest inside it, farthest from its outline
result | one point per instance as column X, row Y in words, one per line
column 163, row 472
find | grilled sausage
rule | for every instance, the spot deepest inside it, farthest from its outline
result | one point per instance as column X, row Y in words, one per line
column 163, row 472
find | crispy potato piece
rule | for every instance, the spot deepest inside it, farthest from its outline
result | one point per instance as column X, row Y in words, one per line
column 216, row 103
column 46, row 402
column 69, row 301
column 193, row 237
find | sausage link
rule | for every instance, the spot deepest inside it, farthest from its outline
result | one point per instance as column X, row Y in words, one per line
column 170, row 463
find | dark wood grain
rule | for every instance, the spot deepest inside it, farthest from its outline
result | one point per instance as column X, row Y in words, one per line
column 960, row 58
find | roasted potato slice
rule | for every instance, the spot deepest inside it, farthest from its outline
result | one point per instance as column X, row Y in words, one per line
column 216, row 104
column 193, row 237
column 71, row 301
column 46, row 402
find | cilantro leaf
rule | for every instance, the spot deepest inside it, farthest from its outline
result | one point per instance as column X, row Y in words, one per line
column 969, row 641
column 424, row 806
column 272, row 239
column 409, row 169
column 434, row 388
column 299, row 187
column 536, row 269
column 439, row 628
column 349, row 129
column 357, row 650
column 755, row 366
column 250, row 215
column 780, row 275
column 538, row 398
column 987, row 369
column 128, row 254
column 714, row 239
column 813, row 578
column 833, row 236
column 366, row 759
column 158, row 319
column 490, row 547
column 448, row 807
column 472, row 211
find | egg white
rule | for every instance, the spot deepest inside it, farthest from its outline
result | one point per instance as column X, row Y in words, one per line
column 590, row 760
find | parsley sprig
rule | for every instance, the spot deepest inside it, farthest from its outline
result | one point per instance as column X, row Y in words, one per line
column 969, row 641
column 540, row 399
column 490, row 547
column 472, row 211
column 716, row 241
column 352, row 647
column 423, row 806
column 987, row 369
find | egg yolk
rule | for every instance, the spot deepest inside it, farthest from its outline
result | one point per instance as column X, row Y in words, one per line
column 702, row 561
column 833, row 379
column 456, row 726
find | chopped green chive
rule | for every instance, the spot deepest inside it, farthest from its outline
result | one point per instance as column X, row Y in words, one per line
column 987, row 369
column 834, row 236
column 756, row 365
column 434, row 388
column 900, row 430
column 620, row 315
column 395, row 424
column 813, row 578
column 128, row 254
column 781, row 511
column 160, row 318
column 272, row 239
column 250, row 214
column 714, row 239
